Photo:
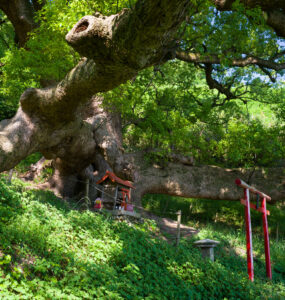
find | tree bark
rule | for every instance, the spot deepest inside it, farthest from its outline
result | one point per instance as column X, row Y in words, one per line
column 210, row 182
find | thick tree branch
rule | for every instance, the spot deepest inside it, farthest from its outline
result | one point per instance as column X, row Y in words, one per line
column 238, row 62
column 276, row 20
column 116, row 48
column 214, row 84
column 135, row 38
column 21, row 15
column 208, row 182
column 264, row 4
column 274, row 11
column 18, row 139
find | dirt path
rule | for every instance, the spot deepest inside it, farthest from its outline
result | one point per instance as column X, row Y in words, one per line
column 169, row 226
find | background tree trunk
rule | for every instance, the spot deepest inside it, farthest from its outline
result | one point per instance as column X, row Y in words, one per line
column 210, row 182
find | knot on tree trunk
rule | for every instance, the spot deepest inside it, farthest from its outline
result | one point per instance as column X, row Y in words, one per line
column 91, row 36
column 29, row 100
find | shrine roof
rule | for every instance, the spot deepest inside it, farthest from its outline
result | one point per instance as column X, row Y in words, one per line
column 110, row 175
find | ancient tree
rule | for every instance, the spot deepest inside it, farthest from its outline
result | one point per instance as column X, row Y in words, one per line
column 67, row 123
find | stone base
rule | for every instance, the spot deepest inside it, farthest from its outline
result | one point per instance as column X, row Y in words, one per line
column 125, row 213
column 208, row 252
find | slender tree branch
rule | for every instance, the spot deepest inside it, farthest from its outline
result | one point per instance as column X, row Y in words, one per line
column 214, row 84
column 278, row 55
column 266, row 72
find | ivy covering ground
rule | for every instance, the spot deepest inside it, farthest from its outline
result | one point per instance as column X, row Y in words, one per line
column 49, row 251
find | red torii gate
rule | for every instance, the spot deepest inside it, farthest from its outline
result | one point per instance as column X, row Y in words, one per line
column 246, row 202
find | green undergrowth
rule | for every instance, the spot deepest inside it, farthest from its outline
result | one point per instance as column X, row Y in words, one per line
column 49, row 251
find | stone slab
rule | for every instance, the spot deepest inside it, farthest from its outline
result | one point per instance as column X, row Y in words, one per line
column 125, row 213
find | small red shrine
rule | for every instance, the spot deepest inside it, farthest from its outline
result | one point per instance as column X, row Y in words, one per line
column 116, row 191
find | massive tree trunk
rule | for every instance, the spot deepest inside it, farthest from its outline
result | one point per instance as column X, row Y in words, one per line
column 55, row 120
column 210, row 182
column 67, row 122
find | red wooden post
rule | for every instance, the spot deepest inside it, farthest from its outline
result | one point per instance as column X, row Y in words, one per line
column 246, row 202
column 266, row 240
column 248, row 236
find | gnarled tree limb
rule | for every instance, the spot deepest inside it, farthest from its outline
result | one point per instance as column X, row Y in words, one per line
column 214, row 84
column 116, row 48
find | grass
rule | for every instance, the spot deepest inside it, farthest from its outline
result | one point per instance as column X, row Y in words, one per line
column 49, row 251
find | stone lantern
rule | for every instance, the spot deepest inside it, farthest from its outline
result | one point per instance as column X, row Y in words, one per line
column 207, row 247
